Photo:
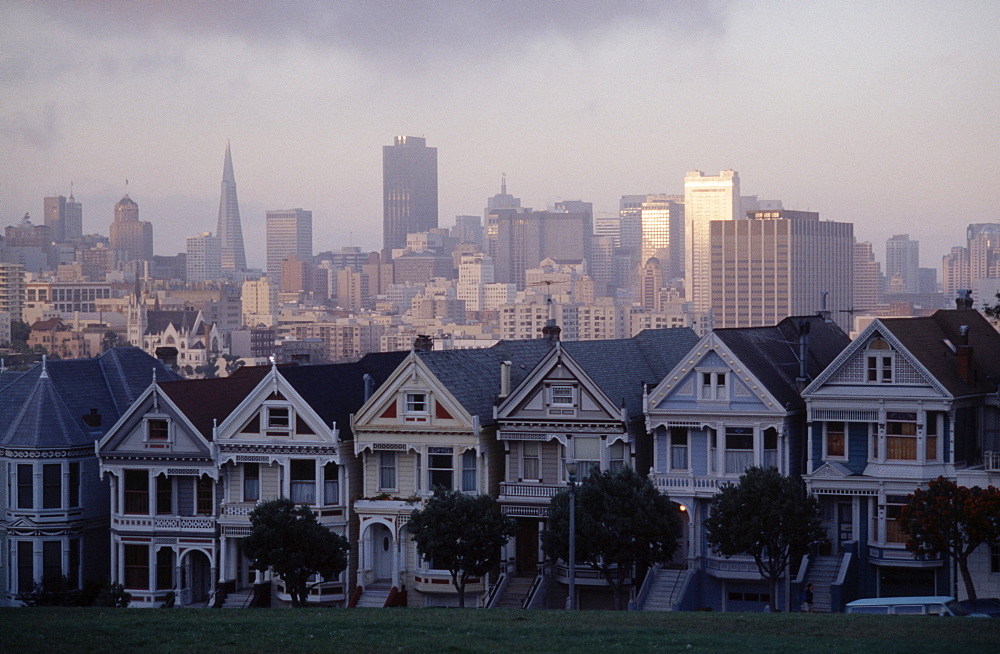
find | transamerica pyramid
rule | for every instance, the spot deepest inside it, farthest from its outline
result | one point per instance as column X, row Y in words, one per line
column 230, row 232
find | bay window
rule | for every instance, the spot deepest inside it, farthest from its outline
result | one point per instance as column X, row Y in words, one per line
column 616, row 456
column 836, row 442
column 136, row 566
column 331, row 484
column 52, row 486
column 739, row 449
column 530, row 467
column 901, row 436
column 678, row 448
column 587, row 452
column 25, row 486
column 137, row 492
column 251, row 482
column 469, row 471
column 204, row 502
column 303, row 481
column 440, row 467
column 387, row 471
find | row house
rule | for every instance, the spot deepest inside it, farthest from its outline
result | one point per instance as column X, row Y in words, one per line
column 910, row 399
column 191, row 459
column 431, row 425
column 581, row 402
column 53, row 504
column 732, row 401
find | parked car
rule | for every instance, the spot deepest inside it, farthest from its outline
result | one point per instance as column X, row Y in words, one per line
column 988, row 605
column 922, row 605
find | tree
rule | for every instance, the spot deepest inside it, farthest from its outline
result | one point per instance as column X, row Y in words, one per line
column 951, row 519
column 766, row 515
column 291, row 541
column 622, row 524
column 462, row 534
column 992, row 311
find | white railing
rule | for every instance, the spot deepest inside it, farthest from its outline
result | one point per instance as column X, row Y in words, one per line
column 238, row 509
column 173, row 523
column 529, row 489
column 686, row 482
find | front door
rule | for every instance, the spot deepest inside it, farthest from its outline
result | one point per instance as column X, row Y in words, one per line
column 245, row 575
column 845, row 525
column 527, row 546
column 381, row 553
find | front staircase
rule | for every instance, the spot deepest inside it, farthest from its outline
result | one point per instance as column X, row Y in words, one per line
column 665, row 591
column 822, row 574
column 239, row 599
column 514, row 594
column 374, row 595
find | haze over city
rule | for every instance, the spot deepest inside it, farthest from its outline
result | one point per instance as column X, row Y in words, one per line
column 884, row 115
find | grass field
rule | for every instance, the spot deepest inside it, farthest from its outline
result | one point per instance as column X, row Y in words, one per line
column 450, row 630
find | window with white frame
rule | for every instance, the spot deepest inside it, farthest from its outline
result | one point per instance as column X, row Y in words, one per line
column 931, row 435
column 164, row 495
column 251, row 482
column 279, row 417
column 836, row 440
column 901, row 436
column 616, row 456
column 331, row 484
column 770, row 437
column 739, row 449
column 469, row 471
column 157, row 429
column 74, row 484
column 893, row 527
column 530, row 466
column 52, row 486
column 587, row 452
column 562, row 395
column 678, row 448
column 25, row 486
column 879, row 361
column 440, row 468
column 415, row 404
column 713, row 386
column 387, row 471
column 303, row 481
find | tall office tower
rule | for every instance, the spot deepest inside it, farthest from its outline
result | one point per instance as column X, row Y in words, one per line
column 955, row 271
column 501, row 200
column 777, row 264
column 650, row 284
column 525, row 237
column 630, row 225
column 289, row 234
column 902, row 258
column 409, row 190
column 12, row 289
column 609, row 226
column 55, row 217
column 230, row 230
column 706, row 198
column 869, row 281
column 984, row 251
column 601, row 263
column 662, row 219
column 259, row 298
column 131, row 238
column 74, row 218
column 204, row 257
column 468, row 229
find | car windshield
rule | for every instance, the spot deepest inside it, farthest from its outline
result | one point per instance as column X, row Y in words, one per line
column 957, row 609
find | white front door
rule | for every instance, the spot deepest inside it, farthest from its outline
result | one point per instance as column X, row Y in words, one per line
column 381, row 553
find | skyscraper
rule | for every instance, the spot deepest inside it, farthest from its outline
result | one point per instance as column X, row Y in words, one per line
column 777, row 264
column 409, row 190
column 706, row 198
column 230, row 230
column 662, row 225
column 289, row 234
column 131, row 238
column 74, row 218
column 869, row 282
column 204, row 257
column 55, row 217
column 902, row 263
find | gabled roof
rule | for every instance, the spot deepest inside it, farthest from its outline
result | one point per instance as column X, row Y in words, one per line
column 473, row 376
column 619, row 367
column 157, row 321
column 924, row 339
column 771, row 354
column 207, row 401
column 43, row 408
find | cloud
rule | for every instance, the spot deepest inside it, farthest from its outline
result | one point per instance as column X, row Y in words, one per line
column 37, row 131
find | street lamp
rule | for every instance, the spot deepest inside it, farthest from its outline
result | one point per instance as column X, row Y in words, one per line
column 571, row 470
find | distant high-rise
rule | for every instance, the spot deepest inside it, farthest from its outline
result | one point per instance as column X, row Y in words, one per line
column 55, row 217
column 902, row 259
column 706, row 198
column 468, row 229
column 955, row 271
column 289, row 234
column 204, row 257
column 131, row 238
column 495, row 203
column 984, row 251
column 74, row 218
column 662, row 225
column 525, row 237
column 409, row 190
column 777, row 264
column 230, row 230
column 869, row 282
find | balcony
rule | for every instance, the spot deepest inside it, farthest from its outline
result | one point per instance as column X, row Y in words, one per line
column 201, row 523
column 688, row 484
column 530, row 491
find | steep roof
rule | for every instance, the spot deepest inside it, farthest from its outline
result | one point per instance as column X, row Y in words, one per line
column 206, row 401
column 43, row 408
column 473, row 376
column 927, row 339
column 621, row 366
column 157, row 320
column 772, row 353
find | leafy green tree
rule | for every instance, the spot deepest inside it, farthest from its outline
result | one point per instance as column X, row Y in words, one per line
column 951, row 519
column 20, row 332
column 623, row 524
column 461, row 533
column 766, row 515
column 291, row 541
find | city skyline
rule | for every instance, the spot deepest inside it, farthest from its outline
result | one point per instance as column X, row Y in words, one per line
column 868, row 128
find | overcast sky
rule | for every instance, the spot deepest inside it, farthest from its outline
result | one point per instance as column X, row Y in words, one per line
column 882, row 114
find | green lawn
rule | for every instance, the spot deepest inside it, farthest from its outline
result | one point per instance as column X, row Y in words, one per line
column 450, row 630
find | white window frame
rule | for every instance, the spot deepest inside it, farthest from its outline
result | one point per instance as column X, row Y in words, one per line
column 245, row 479
column 713, row 391
column 268, row 421
column 411, row 402
column 566, row 397
column 525, row 457
column 432, row 468
column 147, row 429
column 672, row 448
column 388, row 461
column 826, row 441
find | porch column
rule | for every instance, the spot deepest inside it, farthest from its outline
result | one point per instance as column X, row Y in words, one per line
column 223, row 546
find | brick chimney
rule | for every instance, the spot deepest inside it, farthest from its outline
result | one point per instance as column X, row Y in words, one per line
column 551, row 330
column 963, row 355
column 423, row 343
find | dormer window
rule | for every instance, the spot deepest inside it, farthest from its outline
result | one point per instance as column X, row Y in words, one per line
column 415, row 404
column 562, row 395
column 879, row 362
column 714, row 386
column 279, row 417
column 157, row 429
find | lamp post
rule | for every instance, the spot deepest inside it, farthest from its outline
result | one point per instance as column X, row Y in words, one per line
column 571, row 470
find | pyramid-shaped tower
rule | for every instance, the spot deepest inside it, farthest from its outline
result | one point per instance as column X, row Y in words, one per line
column 230, row 231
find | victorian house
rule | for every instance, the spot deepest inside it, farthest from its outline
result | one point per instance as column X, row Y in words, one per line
column 909, row 400
column 582, row 402
column 731, row 402
column 430, row 425
column 53, row 503
column 193, row 458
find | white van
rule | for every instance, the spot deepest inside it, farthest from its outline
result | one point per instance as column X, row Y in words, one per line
column 925, row 605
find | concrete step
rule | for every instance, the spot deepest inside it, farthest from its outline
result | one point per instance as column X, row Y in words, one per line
column 237, row 600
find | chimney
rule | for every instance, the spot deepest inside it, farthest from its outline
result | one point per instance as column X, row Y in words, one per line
column 93, row 419
column 505, row 378
column 963, row 355
column 369, row 382
column 423, row 343
column 551, row 330
column 964, row 299
column 803, row 379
